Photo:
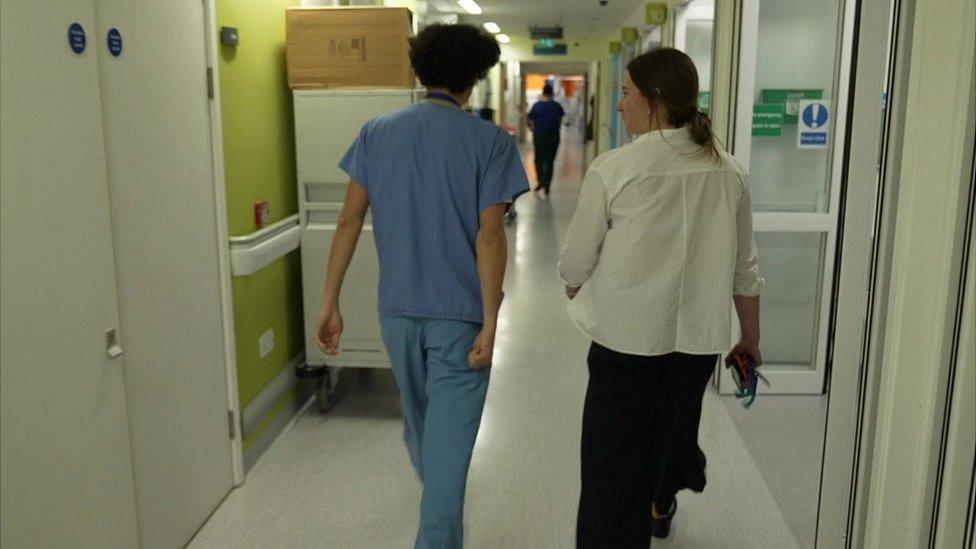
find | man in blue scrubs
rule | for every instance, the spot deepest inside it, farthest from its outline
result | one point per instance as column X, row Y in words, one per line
column 437, row 180
column 545, row 119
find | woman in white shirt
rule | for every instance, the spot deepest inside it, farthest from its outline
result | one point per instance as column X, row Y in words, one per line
column 660, row 245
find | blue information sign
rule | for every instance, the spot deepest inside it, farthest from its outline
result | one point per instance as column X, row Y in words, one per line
column 76, row 38
column 815, row 115
column 115, row 42
column 813, row 124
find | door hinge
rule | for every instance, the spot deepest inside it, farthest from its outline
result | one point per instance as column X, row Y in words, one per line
column 231, row 424
column 210, row 83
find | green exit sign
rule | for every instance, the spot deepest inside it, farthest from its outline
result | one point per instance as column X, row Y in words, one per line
column 554, row 49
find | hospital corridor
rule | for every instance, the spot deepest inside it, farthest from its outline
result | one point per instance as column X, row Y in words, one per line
column 350, row 466
column 488, row 274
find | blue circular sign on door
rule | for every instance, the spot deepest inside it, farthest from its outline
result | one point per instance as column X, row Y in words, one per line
column 815, row 115
column 115, row 42
column 76, row 38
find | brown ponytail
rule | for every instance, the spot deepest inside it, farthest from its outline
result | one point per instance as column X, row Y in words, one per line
column 701, row 132
column 668, row 76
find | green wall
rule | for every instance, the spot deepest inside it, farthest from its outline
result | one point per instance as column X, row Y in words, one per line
column 259, row 164
column 258, row 126
column 269, row 299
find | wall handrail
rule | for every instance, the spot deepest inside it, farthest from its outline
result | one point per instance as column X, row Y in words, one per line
column 264, row 233
column 251, row 253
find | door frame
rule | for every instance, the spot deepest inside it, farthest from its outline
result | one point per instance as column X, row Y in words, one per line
column 614, row 99
column 931, row 124
column 597, row 91
column 862, row 276
column 223, row 241
column 501, row 88
column 871, row 439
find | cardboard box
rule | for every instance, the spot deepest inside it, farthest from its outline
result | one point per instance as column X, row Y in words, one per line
column 361, row 47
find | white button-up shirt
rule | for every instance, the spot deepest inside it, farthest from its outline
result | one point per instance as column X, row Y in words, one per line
column 661, row 240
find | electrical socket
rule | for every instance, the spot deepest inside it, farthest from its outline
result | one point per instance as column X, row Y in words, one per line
column 266, row 343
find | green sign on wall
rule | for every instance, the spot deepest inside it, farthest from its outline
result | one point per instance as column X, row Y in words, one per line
column 790, row 99
column 767, row 119
column 704, row 101
column 656, row 13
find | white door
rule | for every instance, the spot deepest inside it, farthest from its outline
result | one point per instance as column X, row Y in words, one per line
column 158, row 146
column 66, row 466
column 793, row 50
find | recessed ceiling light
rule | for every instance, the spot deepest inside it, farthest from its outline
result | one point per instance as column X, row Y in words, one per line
column 470, row 6
column 492, row 27
column 503, row 38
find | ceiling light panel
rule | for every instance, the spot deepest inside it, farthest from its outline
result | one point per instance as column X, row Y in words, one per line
column 470, row 6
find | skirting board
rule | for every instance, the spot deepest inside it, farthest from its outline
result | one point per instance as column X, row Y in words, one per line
column 259, row 408
column 280, row 424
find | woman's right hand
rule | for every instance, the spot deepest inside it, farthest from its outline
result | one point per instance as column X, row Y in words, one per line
column 749, row 349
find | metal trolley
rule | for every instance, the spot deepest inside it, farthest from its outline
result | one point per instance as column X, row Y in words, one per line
column 326, row 123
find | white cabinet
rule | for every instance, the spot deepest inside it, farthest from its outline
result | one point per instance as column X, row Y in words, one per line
column 66, row 462
column 109, row 223
column 326, row 124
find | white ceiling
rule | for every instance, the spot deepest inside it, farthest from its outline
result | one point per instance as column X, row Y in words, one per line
column 580, row 19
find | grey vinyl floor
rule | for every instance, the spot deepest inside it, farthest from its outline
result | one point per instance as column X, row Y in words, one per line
column 344, row 480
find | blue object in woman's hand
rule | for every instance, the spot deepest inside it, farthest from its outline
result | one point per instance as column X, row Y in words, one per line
column 746, row 376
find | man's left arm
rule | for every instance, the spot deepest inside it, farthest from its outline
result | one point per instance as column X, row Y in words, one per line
column 503, row 181
column 492, row 254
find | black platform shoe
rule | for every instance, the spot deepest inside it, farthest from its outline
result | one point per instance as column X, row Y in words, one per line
column 661, row 527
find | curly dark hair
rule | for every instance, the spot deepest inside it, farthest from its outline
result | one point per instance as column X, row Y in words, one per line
column 453, row 56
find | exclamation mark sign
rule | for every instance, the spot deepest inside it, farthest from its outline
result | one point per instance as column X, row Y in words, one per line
column 815, row 115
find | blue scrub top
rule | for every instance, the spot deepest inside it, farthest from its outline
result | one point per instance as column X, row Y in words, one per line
column 430, row 169
column 546, row 116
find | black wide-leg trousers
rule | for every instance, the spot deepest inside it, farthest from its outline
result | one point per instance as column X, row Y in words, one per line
column 639, row 444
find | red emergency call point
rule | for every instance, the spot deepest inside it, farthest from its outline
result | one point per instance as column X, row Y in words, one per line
column 262, row 213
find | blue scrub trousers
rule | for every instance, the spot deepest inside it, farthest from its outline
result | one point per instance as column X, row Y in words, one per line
column 442, row 400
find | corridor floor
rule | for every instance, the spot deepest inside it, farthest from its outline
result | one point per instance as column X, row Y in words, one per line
column 344, row 479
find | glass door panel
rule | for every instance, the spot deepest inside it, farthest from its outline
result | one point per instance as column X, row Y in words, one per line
column 792, row 81
column 796, row 59
column 791, row 300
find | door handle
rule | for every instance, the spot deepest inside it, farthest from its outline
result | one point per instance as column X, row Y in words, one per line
column 112, row 347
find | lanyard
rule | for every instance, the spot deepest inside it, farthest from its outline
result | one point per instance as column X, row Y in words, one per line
column 442, row 99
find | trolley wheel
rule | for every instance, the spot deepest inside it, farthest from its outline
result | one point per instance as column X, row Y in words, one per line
column 325, row 396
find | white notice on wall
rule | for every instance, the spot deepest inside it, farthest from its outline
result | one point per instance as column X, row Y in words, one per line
column 813, row 124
